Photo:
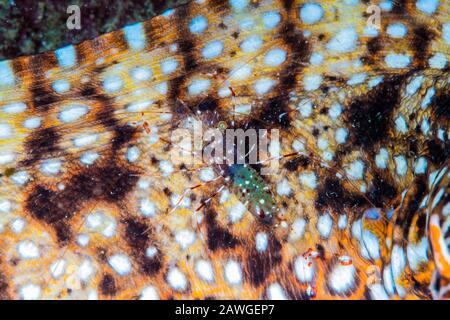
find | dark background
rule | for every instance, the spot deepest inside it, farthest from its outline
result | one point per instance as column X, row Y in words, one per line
column 29, row 27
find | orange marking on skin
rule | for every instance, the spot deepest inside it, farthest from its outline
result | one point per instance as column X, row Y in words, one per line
column 439, row 248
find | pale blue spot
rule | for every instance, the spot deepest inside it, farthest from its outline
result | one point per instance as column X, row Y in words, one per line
column 169, row 66
column 72, row 113
column 335, row 110
column 395, row 60
column 241, row 72
column 427, row 99
column 66, row 56
column 32, row 123
column 112, row 83
column 311, row 13
column 351, row 2
column 198, row 86
column 247, row 23
column 50, row 167
column 162, row 87
column 446, row 32
column 341, row 135
column 414, row 85
column 344, row 41
column 400, row 125
column 239, row 5
column 212, row 49
column 397, row 30
column 386, row 5
column 89, row 157
column 372, row 214
column 15, row 107
column 6, row 73
column 275, row 57
column 375, row 81
column 141, row 73
column 263, row 86
column 167, row 13
column 198, row 24
column 438, row 61
column 61, row 85
column 357, row 79
column 316, row 59
column 133, row 154
column 312, row 82
column 427, row 6
column 370, row 31
column 135, row 36
column 271, row 19
column 251, row 44
column 420, row 166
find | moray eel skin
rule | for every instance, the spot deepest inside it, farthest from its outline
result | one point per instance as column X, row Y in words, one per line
column 92, row 205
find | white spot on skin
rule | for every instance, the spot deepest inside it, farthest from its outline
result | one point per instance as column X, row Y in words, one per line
column 400, row 124
column 427, row 6
column 276, row 292
column 17, row 225
column 355, row 170
column 445, row 33
column 395, row 60
column 342, row 278
column 381, row 159
column 342, row 222
column 311, row 13
column 166, row 168
column 283, row 188
column 357, row 79
column 86, row 270
column 177, row 280
column 185, row 238
column 198, row 86
column 89, row 157
column 32, row 123
column 240, row 72
column 147, row 208
column 312, row 82
column 198, row 24
column 371, row 243
column 149, row 293
column 135, row 36
column 7, row 158
column 61, row 86
column 205, row 270
column 83, row 240
column 427, row 99
column 377, row 292
column 271, row 19
column 388, row 280
column 50, row 167
column 305, row 108
column 325, row 225
column 212, row 49
column 239, row 5
column 15, row 107
column 28, row 250
column 66, row 56
column 417, row 253
column 120, row 264
column 263, row 86
column 236, row 212
column 251, row 44
column 308, row 179
column 133, row 154
column 233, row 272
column 85, row 140
column 169, row 66
column 275, row 57
column 322, row 143
column 141, row 73
column 335, row 111
column 6, row 131
column 112, row 83
column 30, row 292
column 397, row 30
column 316, row 59
column 207, row 174
column 151, row 252
column 344, row 41
column 58, row 268
column 414, row 85
column 7, row 78
column 298, row 229
column 421, row 166
column 304, row 270
column 401, row 165
column 72, row 113
column 341, row 135
column 398, row 263
column 261, row 241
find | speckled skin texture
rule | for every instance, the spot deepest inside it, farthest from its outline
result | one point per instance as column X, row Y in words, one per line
column 93, row 206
